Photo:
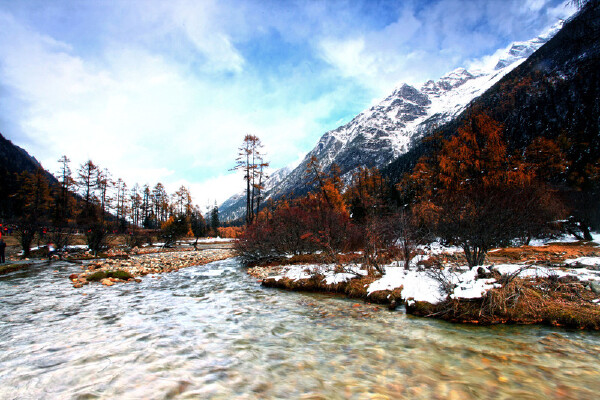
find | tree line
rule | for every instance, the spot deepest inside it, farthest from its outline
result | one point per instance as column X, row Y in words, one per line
column 471, row 190
column 93, row 202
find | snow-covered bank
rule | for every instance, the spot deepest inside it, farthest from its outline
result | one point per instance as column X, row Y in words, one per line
column 434, row 286
column 561, row 280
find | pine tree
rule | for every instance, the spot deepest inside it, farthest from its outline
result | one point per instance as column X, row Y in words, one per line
column 214, row 219
column 198, row 224
column 103, row 185
column 34, row 197
column 64, row 200
column 251, row 161
column 87, row 182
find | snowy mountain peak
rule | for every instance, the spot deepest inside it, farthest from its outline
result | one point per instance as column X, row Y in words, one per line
column 521, row 50
column 389, row 128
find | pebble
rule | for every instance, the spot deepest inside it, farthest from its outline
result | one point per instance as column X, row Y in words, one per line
column 156, row 263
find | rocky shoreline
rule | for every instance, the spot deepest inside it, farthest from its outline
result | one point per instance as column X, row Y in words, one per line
column 137, row 266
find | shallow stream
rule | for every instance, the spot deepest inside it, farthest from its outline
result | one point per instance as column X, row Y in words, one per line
column 213, row 332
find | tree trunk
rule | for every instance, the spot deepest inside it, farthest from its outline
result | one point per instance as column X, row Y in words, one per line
column 475, row 255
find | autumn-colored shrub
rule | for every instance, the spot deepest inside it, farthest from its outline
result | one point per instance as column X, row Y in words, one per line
column 302, row 226
column 232, row 232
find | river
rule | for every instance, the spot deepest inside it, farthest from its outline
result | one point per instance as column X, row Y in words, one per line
column 213, row 332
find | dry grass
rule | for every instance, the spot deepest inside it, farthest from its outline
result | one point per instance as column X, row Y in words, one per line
column 550, row 254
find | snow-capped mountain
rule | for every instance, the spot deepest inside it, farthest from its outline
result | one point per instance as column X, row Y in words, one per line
column 388, row 129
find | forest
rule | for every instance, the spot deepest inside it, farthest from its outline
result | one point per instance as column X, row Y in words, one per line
column 471, row 190
column 92, row 204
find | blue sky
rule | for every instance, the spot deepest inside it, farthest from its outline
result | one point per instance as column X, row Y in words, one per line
column 166, row 90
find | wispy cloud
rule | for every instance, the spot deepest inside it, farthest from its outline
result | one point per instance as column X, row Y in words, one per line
column 165, row 91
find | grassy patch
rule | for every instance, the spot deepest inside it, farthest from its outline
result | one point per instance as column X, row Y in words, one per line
column 5, row 269
column 117, row 274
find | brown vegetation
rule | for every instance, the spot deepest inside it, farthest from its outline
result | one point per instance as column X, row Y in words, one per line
column 550, row 301
column 354, row 288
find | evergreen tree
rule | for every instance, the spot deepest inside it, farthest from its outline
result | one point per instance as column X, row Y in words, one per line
column 198, row 224
column 214, row 219
column 87, row 182
column 35, row 200
column 251, row 161
column 64, row 200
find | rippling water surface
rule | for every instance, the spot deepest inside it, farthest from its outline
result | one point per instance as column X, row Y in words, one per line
column 213, row 332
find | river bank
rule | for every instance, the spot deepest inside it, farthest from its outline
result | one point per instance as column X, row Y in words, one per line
column 555, row 284
column 121, row 270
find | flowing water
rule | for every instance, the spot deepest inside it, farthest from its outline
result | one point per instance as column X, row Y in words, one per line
column 213, row 332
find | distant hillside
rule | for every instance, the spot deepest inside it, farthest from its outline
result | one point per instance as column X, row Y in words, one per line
column 13, row 161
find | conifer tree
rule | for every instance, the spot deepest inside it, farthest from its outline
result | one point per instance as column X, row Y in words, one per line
column 87, row 182
column 35, row 200
column 251, row 161
column 103, row 185
column 198, row 224
column 214, row 219
column 64, row 201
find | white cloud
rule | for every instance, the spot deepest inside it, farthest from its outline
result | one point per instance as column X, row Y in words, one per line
column 424, row 44
column 218, row 188
column 163, row 91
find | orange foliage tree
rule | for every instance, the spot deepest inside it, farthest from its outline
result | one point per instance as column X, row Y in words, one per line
column 319, row 221
column 475, row 195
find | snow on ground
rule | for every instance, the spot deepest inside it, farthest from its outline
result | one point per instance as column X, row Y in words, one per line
column 306, row 271
column 416, row 284
column 436, row 248
column 469, row 287
column 423, row 285
column 562, row 239
column 590, row 261
column 214, row 240
column 525, row 271
column 77, row 247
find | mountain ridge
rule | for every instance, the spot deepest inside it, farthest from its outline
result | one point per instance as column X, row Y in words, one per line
column 392, row 126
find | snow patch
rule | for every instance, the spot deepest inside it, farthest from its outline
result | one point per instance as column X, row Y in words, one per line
column 307, row 271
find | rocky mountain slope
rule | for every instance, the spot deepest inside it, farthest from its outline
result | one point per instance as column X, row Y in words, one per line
column 390, row 128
